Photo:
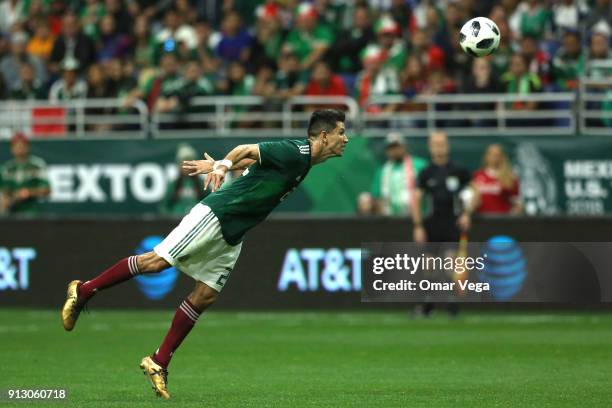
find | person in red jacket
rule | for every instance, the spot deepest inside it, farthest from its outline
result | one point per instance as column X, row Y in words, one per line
column 324, row 83
column 496, row 184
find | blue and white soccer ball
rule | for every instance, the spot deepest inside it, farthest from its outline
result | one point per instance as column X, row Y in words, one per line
column 479, row 37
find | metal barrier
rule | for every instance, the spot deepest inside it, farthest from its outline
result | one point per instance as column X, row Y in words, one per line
column 212, row 116
column 590, row 112
column 82, row 118
column 472, row 114
column 595, row 99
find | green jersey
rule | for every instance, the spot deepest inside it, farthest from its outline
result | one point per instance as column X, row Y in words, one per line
column 247, row 201
column 29, row 174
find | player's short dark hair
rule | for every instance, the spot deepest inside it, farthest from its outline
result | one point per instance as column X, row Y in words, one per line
column 324, row 120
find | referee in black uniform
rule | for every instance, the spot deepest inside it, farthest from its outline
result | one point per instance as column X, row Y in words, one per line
column 441, row 184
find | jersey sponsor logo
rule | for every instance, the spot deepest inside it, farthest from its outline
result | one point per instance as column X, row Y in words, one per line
column 304, row 149
column 155, row 286
column 321, row 269
column 15, row 268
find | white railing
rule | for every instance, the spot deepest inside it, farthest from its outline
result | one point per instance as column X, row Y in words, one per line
column 213, row 116
column 472, row 114
column 595, row 99
column 586, row 112
column 90, row 118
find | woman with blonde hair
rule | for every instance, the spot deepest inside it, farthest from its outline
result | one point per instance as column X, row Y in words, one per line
column 496, row 184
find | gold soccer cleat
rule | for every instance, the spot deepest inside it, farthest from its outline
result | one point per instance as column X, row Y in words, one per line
column 157, row 375
column 72, row 307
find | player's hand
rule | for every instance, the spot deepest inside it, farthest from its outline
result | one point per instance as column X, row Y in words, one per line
column 214, row 179
column 195, row 167
column 419, row 235
column 464, row 222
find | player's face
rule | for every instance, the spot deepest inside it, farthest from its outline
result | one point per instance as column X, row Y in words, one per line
column 438, row 146
column 337, row 140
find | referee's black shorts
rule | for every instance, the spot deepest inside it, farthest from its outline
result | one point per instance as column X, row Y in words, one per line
column 440, row 230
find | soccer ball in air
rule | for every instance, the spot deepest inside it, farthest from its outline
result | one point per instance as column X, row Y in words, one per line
column 479, row 37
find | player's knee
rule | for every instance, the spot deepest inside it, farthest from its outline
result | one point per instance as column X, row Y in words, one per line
column 202, row 296
column 150, row 262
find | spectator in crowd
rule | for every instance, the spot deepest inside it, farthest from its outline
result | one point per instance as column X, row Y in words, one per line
column 41, row 43
column 430, row 54
column 394, row 185
column 37, row 11
column 290, row 80
column 568, row 63
column 310, row 39
column 173, row 32
column 518, row 80
column 482, row 81
column 122, row 18
column 412, row 77
column 143, row 44
column 70, row 85
column 90, row 15
column 567, row 14
column 72, row 44
column 184, row 192
column 266, row 46
column 29, row 87
column 119, row 84
column 186, row 13
column 538, row 60
column 194, row 85
column 500, row 60
column 10, row 14
column 9, row 66
column 235, row 43
column 600, row 12
column 331, row 13
column 535, row 19
column 599, row 51
column 374, row 80
column 165, row 83
column 389, row 41
column 97, row 88
column 495, row 184
column 324, row 82
column 345, row 51
column 238, row 82
column 111, row 44
column 458, row 63
column 24, row 179
column 264, row 82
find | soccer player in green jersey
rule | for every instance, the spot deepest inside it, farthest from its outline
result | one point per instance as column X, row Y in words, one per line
column 206, row 243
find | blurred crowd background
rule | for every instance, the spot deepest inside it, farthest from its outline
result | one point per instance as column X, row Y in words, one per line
column 166, row 52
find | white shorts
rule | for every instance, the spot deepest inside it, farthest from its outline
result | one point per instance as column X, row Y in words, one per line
column 197, row 248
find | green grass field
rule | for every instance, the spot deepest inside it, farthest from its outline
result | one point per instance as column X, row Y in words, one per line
column 316, row 359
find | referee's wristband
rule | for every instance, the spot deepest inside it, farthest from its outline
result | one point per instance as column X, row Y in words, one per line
column 225, row 162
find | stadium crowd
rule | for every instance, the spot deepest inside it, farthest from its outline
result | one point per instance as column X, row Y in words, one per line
column 167, row 52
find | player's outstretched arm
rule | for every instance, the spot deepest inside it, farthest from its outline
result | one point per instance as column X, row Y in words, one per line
column 196, row 167
column 241, row 155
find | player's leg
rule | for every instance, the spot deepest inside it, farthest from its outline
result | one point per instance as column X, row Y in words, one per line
column 186, row 316
column 79, row 293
